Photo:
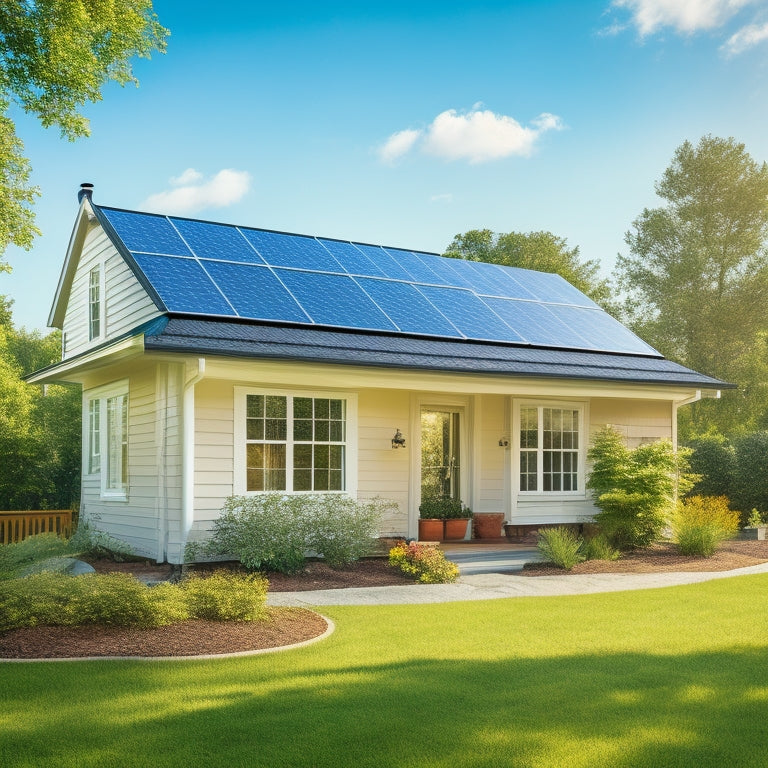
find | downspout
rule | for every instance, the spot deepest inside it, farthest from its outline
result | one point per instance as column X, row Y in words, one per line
column 676, row 404
column 188, row 452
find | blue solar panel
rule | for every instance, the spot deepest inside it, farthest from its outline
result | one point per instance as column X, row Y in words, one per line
column 216, row 241
column 603, row 331
column 183, row 285
column 385, row 262
column 297, row 251
column 550, row 287
column 446, row 269
column 147, row 233
column 334, row 300
column 255, row 292
column 351, row 258
column 407, row 308
column 416, row 268
column 536, row 324
column 469, row 314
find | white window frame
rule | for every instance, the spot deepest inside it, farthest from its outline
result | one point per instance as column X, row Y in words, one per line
column 111, row 463
column 581, row 407
column 240, row 441
column 98, row 284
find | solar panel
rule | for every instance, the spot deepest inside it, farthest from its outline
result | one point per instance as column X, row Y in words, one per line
column 183, row 284
column 207, row 268
column 216, row 241
column 407, row 308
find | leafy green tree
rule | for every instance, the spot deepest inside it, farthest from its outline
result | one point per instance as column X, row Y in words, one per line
column 696, row 275
column 541, row 251
column 55, row 56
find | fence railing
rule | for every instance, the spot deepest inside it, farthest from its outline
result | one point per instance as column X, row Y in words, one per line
column 16, row 526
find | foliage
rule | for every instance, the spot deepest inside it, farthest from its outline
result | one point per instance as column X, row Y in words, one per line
column 87, row 540
column 755, row 519
column 275, row 531
column 714, row 460
column 55, row 58
column 427, row 564
column 40, row 432
column 635, row 489
column 598, row 547
column 443, row 508
column 696, row 276
column 541, row 251
column 751, row 481
column 226, row 596
column 17, row 556
column 560, row 546
column 700, row 523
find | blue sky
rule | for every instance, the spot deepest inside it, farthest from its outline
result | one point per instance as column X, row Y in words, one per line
column 405, row 123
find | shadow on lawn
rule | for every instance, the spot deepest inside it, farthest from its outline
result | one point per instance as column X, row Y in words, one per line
column 621, row 710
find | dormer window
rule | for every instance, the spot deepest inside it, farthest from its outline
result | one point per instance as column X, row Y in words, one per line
column 94, row 303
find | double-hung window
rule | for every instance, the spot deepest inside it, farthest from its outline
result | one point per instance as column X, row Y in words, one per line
column 550, row 448
column 292, row 442
column 107, row 438
column 94, row 303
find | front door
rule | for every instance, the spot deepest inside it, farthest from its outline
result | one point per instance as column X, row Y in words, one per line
column 440, row 454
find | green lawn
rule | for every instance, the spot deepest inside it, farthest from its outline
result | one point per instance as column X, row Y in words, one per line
column 661, row 678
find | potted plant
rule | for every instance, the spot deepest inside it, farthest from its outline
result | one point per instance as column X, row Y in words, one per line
column 431, row 520
column 487, row 525
column 442, row 517
column 755, row 529
column 457, row 517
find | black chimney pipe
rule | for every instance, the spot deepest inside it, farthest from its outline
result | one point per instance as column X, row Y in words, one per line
column 86, row 190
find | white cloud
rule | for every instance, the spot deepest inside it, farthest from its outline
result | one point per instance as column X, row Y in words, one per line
column 478, row 136
column 397, row 145
column 445, row 197
column 685, row 16
column 745, row 38
column 191, row 193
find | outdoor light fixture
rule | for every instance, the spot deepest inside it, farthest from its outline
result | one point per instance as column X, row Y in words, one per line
column 398, row 441
column 503, row 442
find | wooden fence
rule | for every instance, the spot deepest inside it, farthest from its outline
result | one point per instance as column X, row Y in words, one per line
column 16, row 526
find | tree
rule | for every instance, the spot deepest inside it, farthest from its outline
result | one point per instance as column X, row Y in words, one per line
column 696, row 276
column 541, row 251
column 55, row 56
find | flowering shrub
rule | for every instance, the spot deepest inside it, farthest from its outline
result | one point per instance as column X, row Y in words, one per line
column 700, row 523
column 427, row 564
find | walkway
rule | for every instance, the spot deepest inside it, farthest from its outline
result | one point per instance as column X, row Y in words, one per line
column 488, row 572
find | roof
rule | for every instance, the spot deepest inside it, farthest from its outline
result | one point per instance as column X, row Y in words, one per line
column 215, row 270
column 238, row 339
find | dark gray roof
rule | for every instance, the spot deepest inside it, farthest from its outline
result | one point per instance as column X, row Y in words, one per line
column 239, row 339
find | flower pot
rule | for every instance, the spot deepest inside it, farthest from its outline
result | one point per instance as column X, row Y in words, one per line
column 487, row 525
column 431, row 529
column 753, row 534
column 456, row 528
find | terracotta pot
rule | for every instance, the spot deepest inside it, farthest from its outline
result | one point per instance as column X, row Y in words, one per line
column 487, row 525
column 456, row 528
column 431, row 529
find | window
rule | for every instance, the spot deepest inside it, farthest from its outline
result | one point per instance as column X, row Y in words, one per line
column 94, row 303
column 107, row 446
column 292, row 442
column 549, row 448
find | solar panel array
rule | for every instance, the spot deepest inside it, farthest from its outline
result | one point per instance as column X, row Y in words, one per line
column 222, row 270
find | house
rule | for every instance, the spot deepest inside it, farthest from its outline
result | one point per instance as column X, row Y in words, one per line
column 219, row 360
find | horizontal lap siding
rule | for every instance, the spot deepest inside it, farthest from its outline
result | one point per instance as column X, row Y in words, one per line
column 126, row 303
column 640, row 421
column 490, row 456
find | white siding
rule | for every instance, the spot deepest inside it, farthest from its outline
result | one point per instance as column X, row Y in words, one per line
column 640, row 421
column 125, row 303
column 492, row 459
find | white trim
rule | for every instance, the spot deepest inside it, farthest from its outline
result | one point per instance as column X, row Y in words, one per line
column 103, row 394
column 188, row 438
column 239, row 435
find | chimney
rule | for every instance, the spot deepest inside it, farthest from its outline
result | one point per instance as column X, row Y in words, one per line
column 86, row 190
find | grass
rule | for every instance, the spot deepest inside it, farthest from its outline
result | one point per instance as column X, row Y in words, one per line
column 670, row 677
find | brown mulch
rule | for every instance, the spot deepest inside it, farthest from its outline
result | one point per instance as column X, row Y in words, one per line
column 664, row 557
column 292, row 625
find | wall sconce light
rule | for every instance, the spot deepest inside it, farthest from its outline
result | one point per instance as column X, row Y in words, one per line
column 398, row 441
column 503, row 442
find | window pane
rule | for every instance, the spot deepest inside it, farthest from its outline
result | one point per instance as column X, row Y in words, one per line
column 302, row 430
column 255, row 405
column 336, row 456
column 337, row 409
column 302, row 480
column 337, row 432
column 255, row 429
column 274, row 429
column 255, row 480
column 321, row 456
column 335, row 480
column 276, row 407
column 302, row 407
column 117, row 443
column 321, row 480
column 302, row 457
column 322, row 409
column 322, row 431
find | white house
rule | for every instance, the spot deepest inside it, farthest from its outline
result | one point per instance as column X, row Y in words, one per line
column 219, row 360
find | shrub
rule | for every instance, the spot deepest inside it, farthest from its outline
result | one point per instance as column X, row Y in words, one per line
column 276, row 531
column 751, row 483
column 635, row 489
column 700, row 523
column 560, row 546
column 714, row 460
column 225, row 596
column 18, row 556
column 755, row 519
column 427, row 564
column 443, row 508
column 87, row 540
column 598, row 547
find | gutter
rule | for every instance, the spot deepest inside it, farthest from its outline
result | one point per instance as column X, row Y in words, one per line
column 677, row 404
column 188, row 451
